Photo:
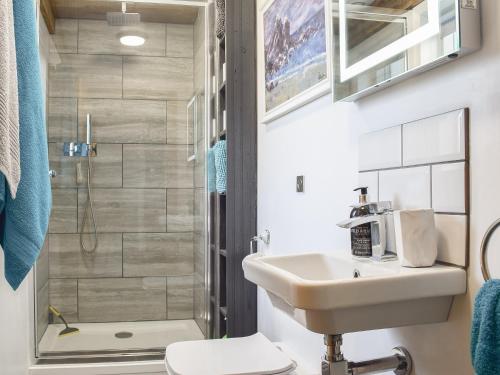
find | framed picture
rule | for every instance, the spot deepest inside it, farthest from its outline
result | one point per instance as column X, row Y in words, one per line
column 295, row 63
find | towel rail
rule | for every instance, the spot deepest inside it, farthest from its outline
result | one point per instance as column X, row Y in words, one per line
column 484, row 249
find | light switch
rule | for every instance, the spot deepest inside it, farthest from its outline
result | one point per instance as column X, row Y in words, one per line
column 300, row 184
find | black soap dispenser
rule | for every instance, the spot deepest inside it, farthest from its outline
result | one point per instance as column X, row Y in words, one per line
column 361, row 235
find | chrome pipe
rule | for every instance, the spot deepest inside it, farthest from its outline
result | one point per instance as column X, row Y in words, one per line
column 334, row 362
column 89, row 129
column 400, row 363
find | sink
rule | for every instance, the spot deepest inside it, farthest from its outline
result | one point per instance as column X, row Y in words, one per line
column 320, row 291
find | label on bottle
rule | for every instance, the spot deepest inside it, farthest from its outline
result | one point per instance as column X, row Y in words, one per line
column 361, row 241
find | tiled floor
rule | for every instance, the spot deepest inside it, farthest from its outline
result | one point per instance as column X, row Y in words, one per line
column 101, row 336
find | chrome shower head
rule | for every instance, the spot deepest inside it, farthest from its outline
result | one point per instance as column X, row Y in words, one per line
column 123, row 18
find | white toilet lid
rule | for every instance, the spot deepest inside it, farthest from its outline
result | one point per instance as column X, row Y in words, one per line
column 252, row 355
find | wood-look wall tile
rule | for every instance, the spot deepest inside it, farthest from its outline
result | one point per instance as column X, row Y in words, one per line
column 106, row 167
column 42, row 265
column 64, row 166
column 180, row 210
column 65, row 38
column 180, row 297
column 62, row 119
column 63, row 218
column 157, row 78
column 42, row 311
column 63, row 296
column 199, row 301
column 124, row 121
column 68, row 261
column 157, row 254
column 127, row 210
column 177, row 130
column 98, row 37
column 115, row 300
column 199, row 55
column 156, row 166
column 180, row 40
column 85, row 76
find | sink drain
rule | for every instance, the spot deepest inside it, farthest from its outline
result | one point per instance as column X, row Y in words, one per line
column 123, row 335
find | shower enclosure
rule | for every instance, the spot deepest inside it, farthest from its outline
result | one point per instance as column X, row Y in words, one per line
column 121, row 81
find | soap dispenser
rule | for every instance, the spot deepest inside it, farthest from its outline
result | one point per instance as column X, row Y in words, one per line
column 361, row 235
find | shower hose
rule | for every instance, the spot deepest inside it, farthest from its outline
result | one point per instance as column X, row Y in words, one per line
column 88, row 215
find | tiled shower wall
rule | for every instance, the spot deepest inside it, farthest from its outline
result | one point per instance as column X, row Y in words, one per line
column 143, row 187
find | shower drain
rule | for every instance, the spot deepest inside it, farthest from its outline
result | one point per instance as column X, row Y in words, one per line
column 123, row 335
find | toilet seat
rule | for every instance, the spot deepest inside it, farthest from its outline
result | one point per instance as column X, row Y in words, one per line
column 252, row 355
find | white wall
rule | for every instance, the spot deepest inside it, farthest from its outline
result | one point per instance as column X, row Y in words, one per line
column 15, row 325
column 320, row 142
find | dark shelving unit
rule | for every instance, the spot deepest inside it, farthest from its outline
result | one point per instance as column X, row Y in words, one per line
column 233, row 215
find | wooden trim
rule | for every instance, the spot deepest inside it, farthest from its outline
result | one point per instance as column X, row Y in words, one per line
column 48, row 15
column 241, row 109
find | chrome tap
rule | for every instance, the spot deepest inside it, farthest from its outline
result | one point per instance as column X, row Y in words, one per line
column 381, row 219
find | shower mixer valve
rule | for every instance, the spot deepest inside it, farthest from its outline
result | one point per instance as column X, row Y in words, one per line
column 79, row 149
column 82, row 149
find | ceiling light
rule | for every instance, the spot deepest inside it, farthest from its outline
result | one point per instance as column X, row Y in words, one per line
column 132, row 40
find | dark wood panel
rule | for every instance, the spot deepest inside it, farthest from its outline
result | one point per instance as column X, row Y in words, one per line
column 241, row 102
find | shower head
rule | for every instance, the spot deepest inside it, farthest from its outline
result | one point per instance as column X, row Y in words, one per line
column 123, row 18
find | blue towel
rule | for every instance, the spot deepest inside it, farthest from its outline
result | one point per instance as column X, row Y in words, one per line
column 24, row 220
column 220, row 153
column 485, row 334
column 212, row 173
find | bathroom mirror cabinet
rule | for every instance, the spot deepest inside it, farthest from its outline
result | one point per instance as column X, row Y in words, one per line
column 380, row 42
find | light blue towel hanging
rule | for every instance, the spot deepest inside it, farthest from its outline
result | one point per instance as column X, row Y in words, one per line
column 485, row 333
column 212, row 173
column 24, row 220
column 220, row 152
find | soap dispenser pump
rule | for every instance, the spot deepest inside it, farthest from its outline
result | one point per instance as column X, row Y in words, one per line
column 361, row 235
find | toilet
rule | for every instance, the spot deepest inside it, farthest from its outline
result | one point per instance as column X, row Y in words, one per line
column 251, row 355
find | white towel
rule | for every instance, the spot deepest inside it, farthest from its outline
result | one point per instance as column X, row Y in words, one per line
column 9, row 105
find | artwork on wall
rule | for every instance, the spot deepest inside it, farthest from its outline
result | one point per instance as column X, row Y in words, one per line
column 296, row 58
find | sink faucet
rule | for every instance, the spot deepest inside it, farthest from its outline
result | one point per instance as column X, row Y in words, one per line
column 381, row 218
column 378, row 249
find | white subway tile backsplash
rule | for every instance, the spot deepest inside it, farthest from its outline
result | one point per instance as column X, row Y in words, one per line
column 370, row 180
column 435, row 139
column 380, row 149
column 423, row 164
column 407, row 188
column 452, row 238
column 448, row 188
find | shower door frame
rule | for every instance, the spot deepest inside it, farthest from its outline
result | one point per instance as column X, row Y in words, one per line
column 148, row 354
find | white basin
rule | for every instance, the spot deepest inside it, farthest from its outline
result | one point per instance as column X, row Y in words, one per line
column 320, row 292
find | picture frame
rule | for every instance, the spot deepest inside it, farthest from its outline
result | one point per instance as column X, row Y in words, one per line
column 303, row 75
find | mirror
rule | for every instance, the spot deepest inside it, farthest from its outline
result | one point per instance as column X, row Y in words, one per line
column 377, row 41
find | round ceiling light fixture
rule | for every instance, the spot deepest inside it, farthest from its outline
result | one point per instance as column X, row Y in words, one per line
column 132, row 40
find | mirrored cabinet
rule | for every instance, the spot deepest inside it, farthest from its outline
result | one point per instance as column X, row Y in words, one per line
column 377, row 43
